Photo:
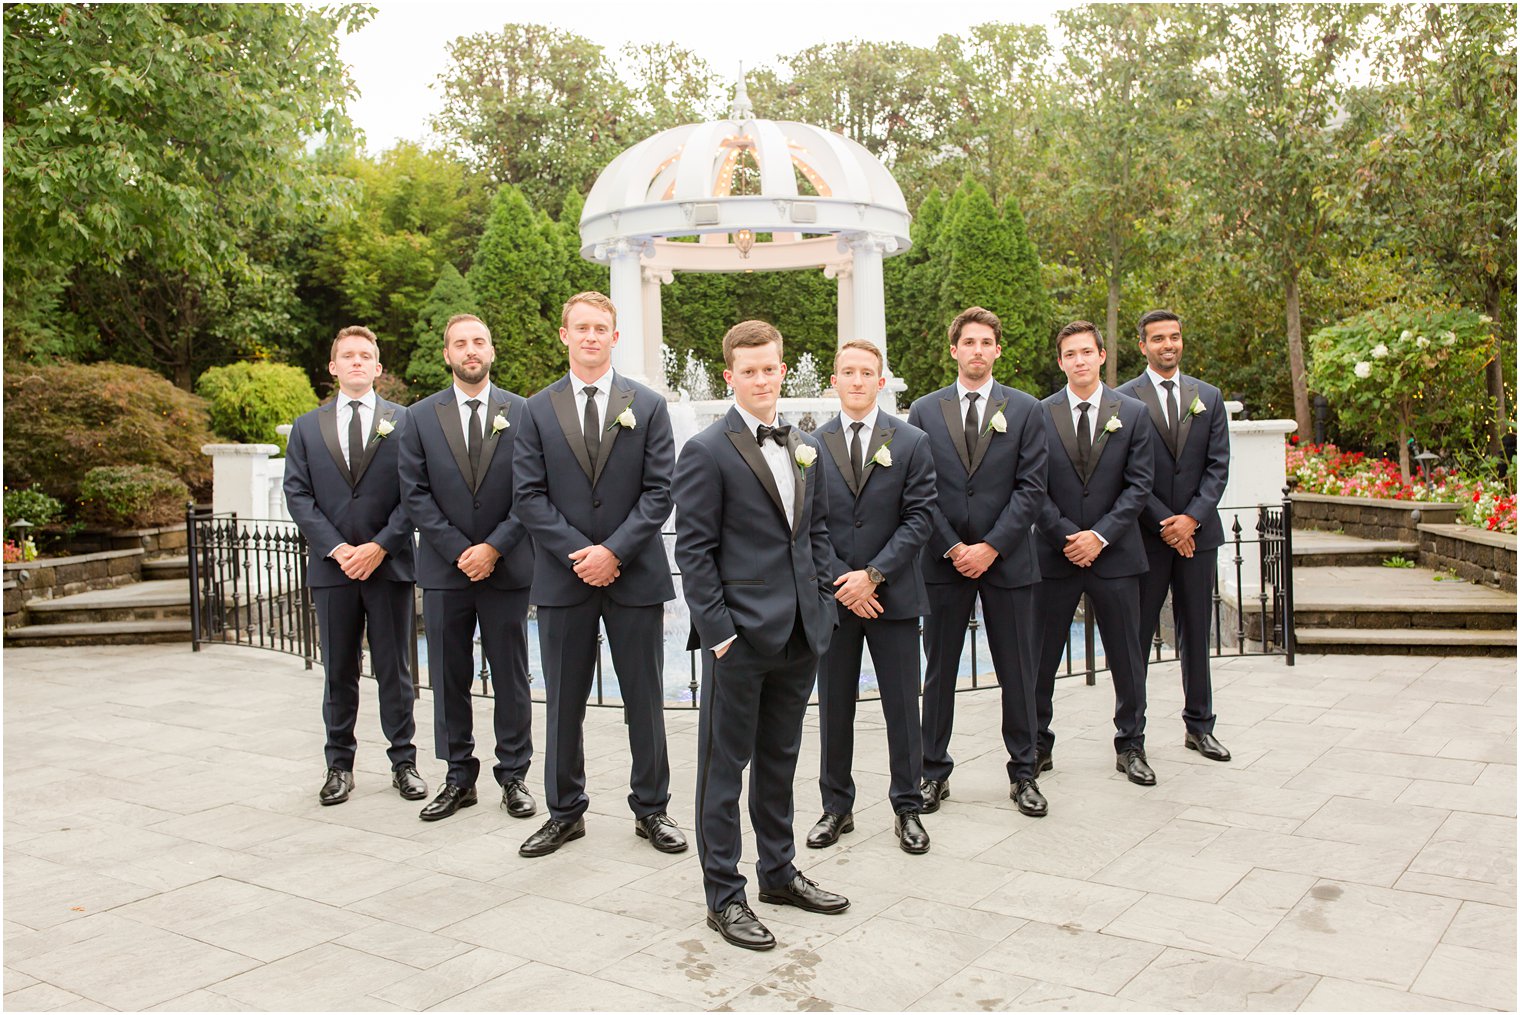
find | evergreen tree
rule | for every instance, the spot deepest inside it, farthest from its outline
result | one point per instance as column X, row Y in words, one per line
column 915, row 333
column 451, row 294
column 1028, row 355
column 515, row 276
column 580, row 275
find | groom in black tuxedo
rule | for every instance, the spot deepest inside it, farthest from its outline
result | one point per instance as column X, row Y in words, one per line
column 752, row 544
column 593, row 465
column 342, row 490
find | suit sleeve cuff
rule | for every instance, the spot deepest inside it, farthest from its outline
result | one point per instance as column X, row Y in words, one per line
column 724, row 643
column 1100, row 536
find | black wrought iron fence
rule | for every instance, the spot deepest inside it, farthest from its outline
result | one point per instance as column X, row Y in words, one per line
column 248, row 587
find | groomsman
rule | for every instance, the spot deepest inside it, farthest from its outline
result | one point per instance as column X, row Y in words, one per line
column 1180, row 519
column 346, row 500
column 989, row 459
column 752, row 542
column 474, row 563
column 879, row 474
column 593, row 464
column 1099, row 475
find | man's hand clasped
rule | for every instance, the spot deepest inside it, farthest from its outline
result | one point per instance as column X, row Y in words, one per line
column 857, row 593
column 1177, row 532
column 478, row 561
column 596, row 565
column 359, row 562
column 1082, row 548
column 974, row 560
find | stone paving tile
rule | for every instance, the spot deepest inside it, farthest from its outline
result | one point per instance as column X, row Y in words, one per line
column 1480, row 799
column 1482, row 926
column 1331, row 994
column 42, row 997
column 1347, row 861
column 1469, row 975
column 550, row 988
column 447, row 979
column 204, row 1000
column 974, row 989
column 1371, row 823
column 1187, row 981
column 1043, row 996
column 1073, row 958
column 546, row 930
column 433, row 901
column 762, row 998
column 403, row 944
column 1064, row 902
column 306, row 981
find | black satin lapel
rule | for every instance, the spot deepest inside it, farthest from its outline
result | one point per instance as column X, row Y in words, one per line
column 1060, row 415
column 799, row 479
column 957, row 427
column 562, row 398
column 620, row 399
column 878, row 439
column 327, row 422
column 1152, row 399
column 750, row 452
column 985, row 440
column 1188, row 391
column 1109, row 411
column 835, row 441
column 453, row 432
column 496, row 404
column 371, row 446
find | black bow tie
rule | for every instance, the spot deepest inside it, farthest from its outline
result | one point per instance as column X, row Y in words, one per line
column 779, row 434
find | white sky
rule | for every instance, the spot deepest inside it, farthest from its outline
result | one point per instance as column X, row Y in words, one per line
column 399, row 55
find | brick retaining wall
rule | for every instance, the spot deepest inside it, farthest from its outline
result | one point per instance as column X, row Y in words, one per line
column 52, row 577
column 1477, row 555
column 1369, row 518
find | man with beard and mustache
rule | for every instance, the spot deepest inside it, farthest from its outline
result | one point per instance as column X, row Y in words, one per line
column 474, row 563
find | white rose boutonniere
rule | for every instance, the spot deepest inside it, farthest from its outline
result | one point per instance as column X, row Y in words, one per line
column 499, row 423
column 383, row 429
column 626, row 419
column 883, row 456
column 1109, row 427
column 806, row 455
column 1197, row 408
column 997, row 424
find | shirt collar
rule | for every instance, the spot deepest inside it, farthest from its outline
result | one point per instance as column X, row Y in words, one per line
column 367, row 400
column 460, row 397
column 845, row 422
column 1156, row 380
column 985, row 391
column 1096, row 398
column 754, row 422
column 603, row 383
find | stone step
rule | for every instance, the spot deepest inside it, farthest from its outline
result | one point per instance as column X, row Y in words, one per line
column 116, row 632
column 1422, row 641
column 1312, row 548
column 144, row 601
column 1403, row 616
column 1389, row 598
column 167, row 569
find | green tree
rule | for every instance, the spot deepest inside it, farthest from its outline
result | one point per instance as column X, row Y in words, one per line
column 516, row 277
column 915, row 330
column 580, row 275
column 451, row 294
column 154, row 167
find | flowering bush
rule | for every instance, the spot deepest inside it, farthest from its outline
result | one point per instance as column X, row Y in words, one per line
column 16, row 553
column 1325, row 468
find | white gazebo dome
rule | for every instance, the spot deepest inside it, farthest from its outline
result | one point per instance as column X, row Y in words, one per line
column 821, row 199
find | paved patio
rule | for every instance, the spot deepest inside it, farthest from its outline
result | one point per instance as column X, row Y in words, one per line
column 164, row 848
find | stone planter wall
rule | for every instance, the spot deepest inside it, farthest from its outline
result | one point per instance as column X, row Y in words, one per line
column 52, row 577
column 1369, row 518
column 1478, row 555
column 166, row 541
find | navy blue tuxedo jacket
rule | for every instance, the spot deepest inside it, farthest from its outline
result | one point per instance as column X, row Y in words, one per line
column 1108, row 498
column 886, row 522
column 992, row 497
column 1190, row 478
column 330, row 506
column 742, row 570
column 568, row 502
column 451, row 512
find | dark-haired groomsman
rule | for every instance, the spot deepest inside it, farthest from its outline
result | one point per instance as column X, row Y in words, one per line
column 989, row 460
column 593, row 464
column 346, row 500
column 880, row 477
column 1180, row 519
column 1099, row 475
column 474, row 563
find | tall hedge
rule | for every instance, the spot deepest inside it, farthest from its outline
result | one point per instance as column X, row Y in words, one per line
column 517, row 276
column 248, row 400
column 63, row 419
column 451, row 294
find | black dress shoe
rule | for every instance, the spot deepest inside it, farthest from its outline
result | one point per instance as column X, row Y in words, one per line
column 336, row 787
column 829, row 828
column 739, row 926
column 1132, row 764
column 517, row 800
column 449, row 800
column 552, row 836
column 933, row 791
column 1206, row 745
column 910, row 832
column 406, row 779
column 806, row 895
column 661, row 832
column 1043, row 763
column 1026, row 793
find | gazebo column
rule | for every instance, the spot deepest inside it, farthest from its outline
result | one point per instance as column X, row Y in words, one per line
column 868, row 293
column 654, row 328
column 843, row 274
column 629, row 358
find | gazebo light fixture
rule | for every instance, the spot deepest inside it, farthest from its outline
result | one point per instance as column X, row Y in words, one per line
column 744, row 239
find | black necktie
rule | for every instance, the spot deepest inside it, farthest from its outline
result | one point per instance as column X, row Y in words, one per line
column 1084, row 435
column 591, row 424
column 973, row 429
column 857, row 453
column 1171, row 409
column 778, row 434
column 476, row 437
column 355, row 439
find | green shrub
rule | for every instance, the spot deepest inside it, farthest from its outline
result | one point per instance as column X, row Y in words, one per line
column 248, row 400
column 64, row 418
column 132, row 496
column 31, row 505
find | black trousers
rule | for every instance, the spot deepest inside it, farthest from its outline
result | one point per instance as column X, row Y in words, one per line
column 1191, row 582
column 567, row 644
column 1116, row 604
column 450, row 616
column 894, row 653
column 751, row 714
column 1013, row 638
column 344, row 612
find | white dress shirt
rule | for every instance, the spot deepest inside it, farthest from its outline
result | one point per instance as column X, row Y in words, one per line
column 846, row 421
column 345, row 412
column 603, row 395
column 464, row 412
column 1176, row 380
column 1095, row 402
column 984, row 393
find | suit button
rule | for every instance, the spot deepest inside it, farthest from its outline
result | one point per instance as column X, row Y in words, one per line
column 970, row 492
column 596, row 503
column 1084, row 493
column 477, row 504
column 1178, row 470
column 858, row 523
column 356, row 495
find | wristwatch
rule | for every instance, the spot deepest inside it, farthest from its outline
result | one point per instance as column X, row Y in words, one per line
column 876, row 576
